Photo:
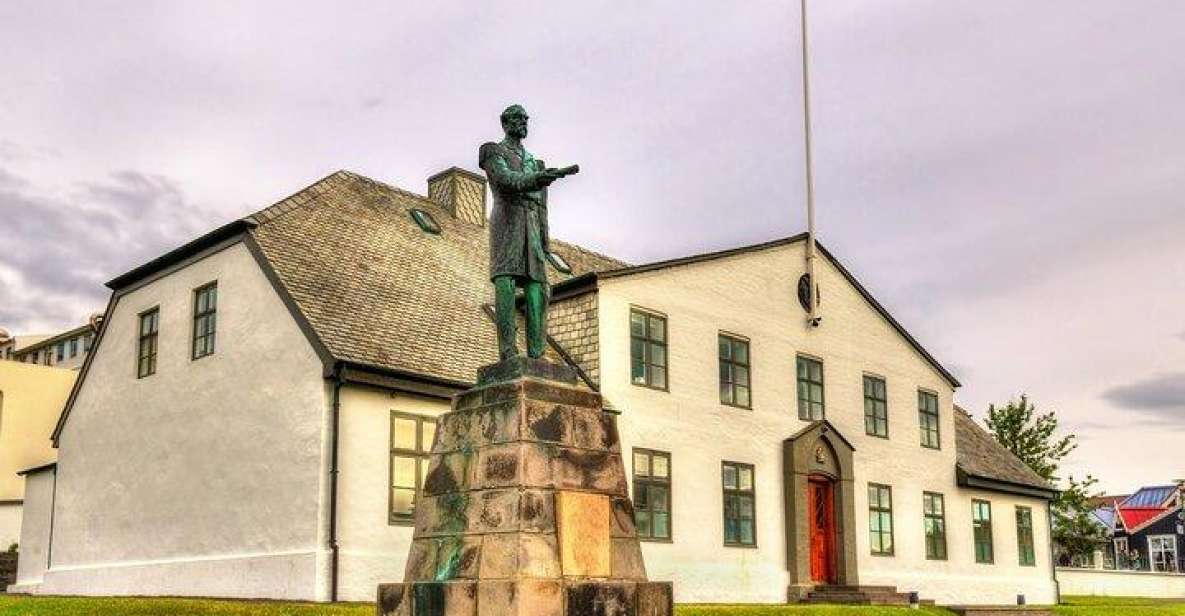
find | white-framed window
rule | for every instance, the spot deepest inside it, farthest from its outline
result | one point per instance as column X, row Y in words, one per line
column 1162, row 552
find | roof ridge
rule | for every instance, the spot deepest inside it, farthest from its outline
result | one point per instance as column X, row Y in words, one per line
column 298, row 198
column 600, row 255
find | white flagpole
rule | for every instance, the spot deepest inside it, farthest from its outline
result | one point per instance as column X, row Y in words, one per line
column 810, row 180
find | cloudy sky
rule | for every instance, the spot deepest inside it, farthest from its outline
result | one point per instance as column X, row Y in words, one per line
column 1008, row 177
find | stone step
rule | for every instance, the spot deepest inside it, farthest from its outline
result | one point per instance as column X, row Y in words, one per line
column 1001, row 610
column 826, row 587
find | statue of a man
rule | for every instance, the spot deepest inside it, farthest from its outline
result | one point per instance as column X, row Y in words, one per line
column 519, row 245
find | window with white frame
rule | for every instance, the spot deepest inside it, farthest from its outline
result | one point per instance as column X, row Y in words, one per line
column 1162, row 552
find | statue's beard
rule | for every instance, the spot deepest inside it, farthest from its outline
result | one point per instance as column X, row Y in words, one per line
column 518, row 132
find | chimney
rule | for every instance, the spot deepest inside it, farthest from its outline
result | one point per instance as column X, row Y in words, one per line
column 462, row 193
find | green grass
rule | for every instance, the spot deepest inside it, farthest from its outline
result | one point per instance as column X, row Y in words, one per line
column 79, row 606
column 805, row 610
column 1119, row 606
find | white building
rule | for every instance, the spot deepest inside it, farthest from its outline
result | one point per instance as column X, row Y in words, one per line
column 255, row 415
column 67, row 349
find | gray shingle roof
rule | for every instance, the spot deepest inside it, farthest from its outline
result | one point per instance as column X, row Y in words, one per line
column 378, row 290
column 979, row 455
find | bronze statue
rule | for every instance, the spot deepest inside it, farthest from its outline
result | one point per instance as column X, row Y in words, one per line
column 519, row 243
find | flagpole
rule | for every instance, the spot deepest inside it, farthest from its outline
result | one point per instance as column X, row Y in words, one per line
column 812, row 301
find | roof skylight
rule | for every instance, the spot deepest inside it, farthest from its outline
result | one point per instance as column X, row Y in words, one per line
column 426, row 221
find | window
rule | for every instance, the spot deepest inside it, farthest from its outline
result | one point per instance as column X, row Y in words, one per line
column 149, row 328
column 934, row 518
column 648, row 349
column 652, row 494
column 61, row 351
column 1121, row 557
column 982, row 524
column 86, row 343
column 876, row 407
column 810, row 388
column 734, row 371
column 880, row 519
column 426, row 222
column 205, row 311
column 739, row 507
column 1162, row 552
column 1024, row 537
column 411, row 441
column 928, row 419
column 74, row 347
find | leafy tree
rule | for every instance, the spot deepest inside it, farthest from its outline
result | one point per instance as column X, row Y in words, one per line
column 1030, row 436
column 1074, row 528
column 1033, row 438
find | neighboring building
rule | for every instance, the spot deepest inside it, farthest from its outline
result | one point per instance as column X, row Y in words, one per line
column 65, row 350
column 1146, row 530
column 255, row 418
column 31, row 399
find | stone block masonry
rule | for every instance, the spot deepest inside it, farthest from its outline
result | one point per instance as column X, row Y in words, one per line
column 525, row 509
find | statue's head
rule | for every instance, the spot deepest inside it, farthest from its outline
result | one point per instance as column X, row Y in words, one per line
column 514, row 121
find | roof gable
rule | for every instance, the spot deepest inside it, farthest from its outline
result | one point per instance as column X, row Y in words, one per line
column 579, row 283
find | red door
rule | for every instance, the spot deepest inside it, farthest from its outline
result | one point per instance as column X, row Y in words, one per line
column 821, row 503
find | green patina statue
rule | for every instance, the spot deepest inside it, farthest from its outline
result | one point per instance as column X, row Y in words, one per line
column 519, row 243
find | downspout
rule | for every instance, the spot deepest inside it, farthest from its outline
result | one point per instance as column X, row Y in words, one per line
column 1057, row 589
column 338, row 381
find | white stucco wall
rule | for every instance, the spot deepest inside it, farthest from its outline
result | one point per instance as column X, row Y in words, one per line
column 754, row 295
column 31, row 563
column 10, row 524
column 371, row 550
column 1099, row 582
column 959, row 580
column 206, row 478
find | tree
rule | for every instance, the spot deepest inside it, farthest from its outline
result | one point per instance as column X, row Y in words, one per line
column 1033, row 438
column 1030, row 436
column 1074, row 528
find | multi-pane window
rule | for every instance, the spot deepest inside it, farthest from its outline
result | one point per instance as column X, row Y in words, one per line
column 146, row 353
column 652, row 494
column 880, row 519
column 876, row 407
column 734, row 371
column 61, row 351
column 810, row 388
column 1024, row 537
column 934, row 519
column 86, row 343
column 205, row 312
column 411, row 441
column 1162, row 552
column 739, row 516
column 982, row 524
column 928, row 419
column 648, row 349
column 74, row 347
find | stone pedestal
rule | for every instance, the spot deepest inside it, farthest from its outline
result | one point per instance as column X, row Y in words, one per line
column 525, row 509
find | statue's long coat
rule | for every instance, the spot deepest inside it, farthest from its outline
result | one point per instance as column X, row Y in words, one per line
column 518, row 223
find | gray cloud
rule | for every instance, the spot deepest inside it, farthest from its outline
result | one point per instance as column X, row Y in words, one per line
column 1160, row 398
column 61, row 248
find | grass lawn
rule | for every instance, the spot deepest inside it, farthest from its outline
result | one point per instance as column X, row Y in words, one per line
column 79, row 606
column 1119, row 606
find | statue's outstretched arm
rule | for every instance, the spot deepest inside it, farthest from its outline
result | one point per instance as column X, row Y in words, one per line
column 506, row 178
